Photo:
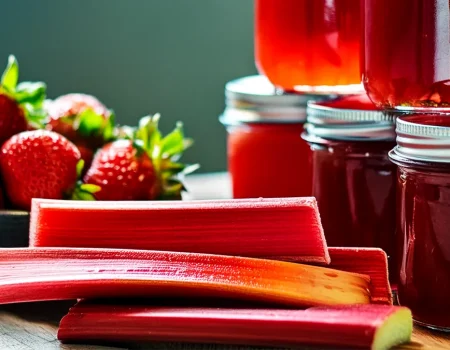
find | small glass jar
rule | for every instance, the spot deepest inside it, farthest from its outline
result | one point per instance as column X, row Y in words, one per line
column 309, row 45
column 423, row 219
column 353, row 178
column 266, row 155
column 407, row 53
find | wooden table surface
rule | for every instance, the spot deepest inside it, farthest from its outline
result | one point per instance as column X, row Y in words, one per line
column 34, row 325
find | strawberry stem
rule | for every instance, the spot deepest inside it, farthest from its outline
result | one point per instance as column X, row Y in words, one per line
column 165, row 153
column 29, row 96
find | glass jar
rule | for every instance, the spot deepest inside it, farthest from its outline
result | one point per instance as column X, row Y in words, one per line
column 353, row 178
column 309, row 45
column 423, row 219
column 266, row 155
column 407, row 53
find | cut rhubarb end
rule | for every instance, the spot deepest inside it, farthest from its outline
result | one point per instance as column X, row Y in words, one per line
column 288, row 227
column 376, row 327
column 369, row 261
column 39, row 274
column 366, row 261
column 396, row 330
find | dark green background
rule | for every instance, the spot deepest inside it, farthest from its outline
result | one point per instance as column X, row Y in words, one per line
column 138, row 57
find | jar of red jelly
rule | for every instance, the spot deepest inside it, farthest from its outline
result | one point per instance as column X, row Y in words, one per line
column 353, row 178
column 266, row 155
column 407, row 53
column 309, row 45
column 423, row 219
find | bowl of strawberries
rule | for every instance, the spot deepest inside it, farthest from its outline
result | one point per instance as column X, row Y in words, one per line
column 71, row 148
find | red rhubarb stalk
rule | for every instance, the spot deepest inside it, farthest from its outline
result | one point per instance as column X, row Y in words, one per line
column 368, row 261
column 288, row 227
column 364, row 326
column 38, row 274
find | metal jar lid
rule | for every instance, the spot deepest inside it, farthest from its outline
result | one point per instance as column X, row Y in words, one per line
column 254, row 99
column 351, row 118
column 423, row 137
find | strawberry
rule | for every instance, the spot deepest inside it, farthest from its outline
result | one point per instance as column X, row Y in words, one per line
column 38, row 164
column 20, row 104
column 123, row 171
column 142, row 167
column 82, row 119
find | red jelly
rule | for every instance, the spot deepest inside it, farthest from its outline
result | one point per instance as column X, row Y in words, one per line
column 407, row 52
column 423, row 223
column 353, row 178
column 266, row 155
column 308, row 45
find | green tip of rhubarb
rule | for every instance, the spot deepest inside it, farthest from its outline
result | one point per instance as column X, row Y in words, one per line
column 396, row 329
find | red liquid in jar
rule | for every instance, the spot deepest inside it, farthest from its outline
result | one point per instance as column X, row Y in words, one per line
column 301, row 43
column 269, row 160
column 423, row 232
column 407, row 52
column 354, row 183
column 424, row 243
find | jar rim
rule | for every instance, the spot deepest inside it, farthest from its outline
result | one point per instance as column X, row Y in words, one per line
column 341, row 122
column 254, row 99
column 423, row 137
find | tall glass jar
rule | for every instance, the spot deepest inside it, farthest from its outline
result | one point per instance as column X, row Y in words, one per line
column 407, row 53
column 266, row 155
column 309, row 45
column 423, row 219
column 353, row 178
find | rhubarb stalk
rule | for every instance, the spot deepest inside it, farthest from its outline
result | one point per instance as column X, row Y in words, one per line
column 368, row 261
column 375, row 327
column 38, row 274
column 288, row 227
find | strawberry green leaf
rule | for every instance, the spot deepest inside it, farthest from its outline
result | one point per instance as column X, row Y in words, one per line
column 139, row 147
column 90, row 188
column 80, row 167
column 10, row 76
column 108, row 132
column 32, row 93
column 172, row 190
column 165, row 152
column 173, row 143
column 169, row 168
column 35, row 116
column 189, row 169
column 148, row 132
column 89, row 123
column 82, row 196
column 167, row 165
column 85, row 192
column 124, row 132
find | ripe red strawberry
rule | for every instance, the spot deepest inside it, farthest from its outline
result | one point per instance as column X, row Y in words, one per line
column 81, row 118
column 123, row 171
column 12, row 118
column 20, row 104
column 141, row 168
column 38, row 164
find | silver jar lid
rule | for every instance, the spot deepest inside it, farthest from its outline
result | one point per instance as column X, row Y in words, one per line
column 352, row 118
column 423, row 137
column 254, row 99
